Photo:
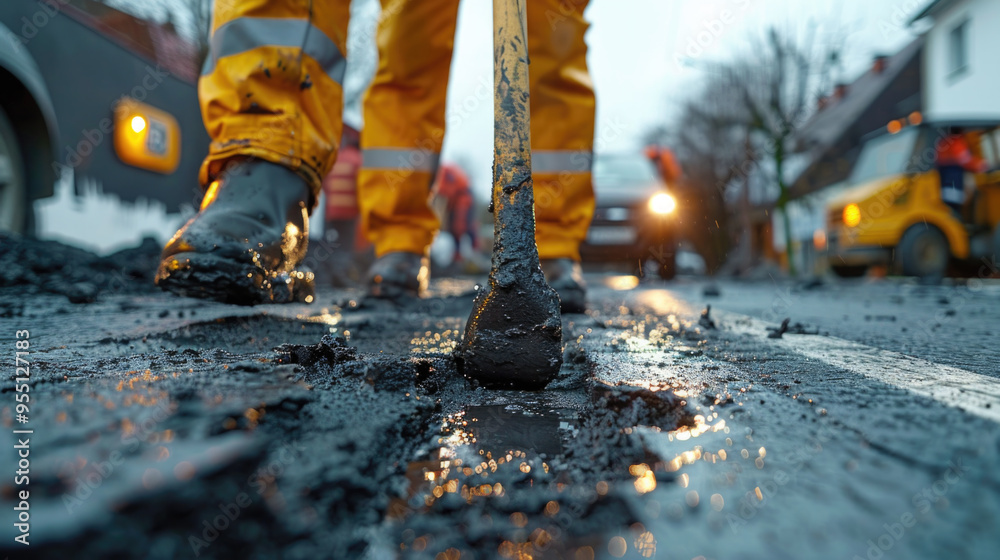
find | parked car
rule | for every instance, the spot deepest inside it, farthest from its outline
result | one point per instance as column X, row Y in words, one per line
column 635, row 216
column 105, row 101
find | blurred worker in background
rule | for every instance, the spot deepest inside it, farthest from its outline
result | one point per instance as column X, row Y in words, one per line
column 665, row 162
column 340, row 189
column 340, row 215
column 459, row 211
column 271, row 99
column 954, row 159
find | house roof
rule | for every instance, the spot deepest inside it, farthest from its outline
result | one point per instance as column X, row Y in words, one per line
column 156, row 42
column 830, row 123
column 933, row 9
column 841, row 116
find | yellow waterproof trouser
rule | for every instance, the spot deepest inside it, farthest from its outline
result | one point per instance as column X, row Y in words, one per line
column 271, row 86
column 404, row 124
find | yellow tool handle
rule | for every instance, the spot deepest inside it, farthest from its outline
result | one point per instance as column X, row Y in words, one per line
column 513, row 338
column 513, row 199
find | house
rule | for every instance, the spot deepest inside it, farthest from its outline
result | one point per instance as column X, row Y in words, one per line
column 889, row 89
column 961, row 69
column 949, row 72
column 829, row 143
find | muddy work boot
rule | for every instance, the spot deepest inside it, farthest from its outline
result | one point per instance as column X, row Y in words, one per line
column 398, row 275
column 566, row 278
column 244, row 244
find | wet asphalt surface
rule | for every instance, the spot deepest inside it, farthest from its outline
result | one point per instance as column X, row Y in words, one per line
column 178, row 428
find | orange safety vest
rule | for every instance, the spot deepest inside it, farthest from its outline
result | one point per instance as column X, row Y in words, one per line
column 665, row 162
column 954, row 150
column 453, row 185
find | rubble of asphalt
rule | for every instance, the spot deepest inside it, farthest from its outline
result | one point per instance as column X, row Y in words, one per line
column 331, row 349
column 706, row 320
column 178, row 429
column 41, row 266
column 173, row 428
column 227, row 432
column 786, row 328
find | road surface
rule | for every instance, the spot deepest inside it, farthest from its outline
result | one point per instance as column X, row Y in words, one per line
column 177, row 428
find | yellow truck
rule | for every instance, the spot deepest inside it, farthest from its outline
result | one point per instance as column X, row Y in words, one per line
column 891, row 214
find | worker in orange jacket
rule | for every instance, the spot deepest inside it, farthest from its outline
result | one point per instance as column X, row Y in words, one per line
column 665, row 162
column 271, row 99
column 459, row 213
column 953, row 159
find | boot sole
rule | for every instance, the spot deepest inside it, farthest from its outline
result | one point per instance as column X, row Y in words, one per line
column 211, row 277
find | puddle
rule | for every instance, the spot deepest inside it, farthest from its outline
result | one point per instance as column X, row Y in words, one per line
column 491, row 462
column 482, row 442
column 522, row 476
column 438, row 341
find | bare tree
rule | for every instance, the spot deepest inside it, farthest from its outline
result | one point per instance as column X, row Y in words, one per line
column 778, row 89
column 709, row 141
column 740, row 125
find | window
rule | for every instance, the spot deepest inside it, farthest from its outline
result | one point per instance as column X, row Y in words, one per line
column 885, row 155
column 958, row 48
column 630, row 169
column 991, row 148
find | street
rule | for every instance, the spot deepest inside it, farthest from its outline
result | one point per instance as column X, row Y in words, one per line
column 176, row 428
column 520, row 280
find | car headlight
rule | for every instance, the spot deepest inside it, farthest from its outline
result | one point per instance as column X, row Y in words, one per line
column 662, row 203
column 852, row 215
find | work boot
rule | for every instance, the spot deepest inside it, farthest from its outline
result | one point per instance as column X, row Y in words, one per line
column 566, row 278
column 244, row 244
column 398, row 274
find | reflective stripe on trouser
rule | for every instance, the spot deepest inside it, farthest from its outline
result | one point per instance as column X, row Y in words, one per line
column 404, row 114
column 271, row 86
column 562, row 126
column 405, row 122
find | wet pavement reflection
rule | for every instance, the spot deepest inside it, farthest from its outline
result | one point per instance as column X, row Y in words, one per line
column 518, row 477
column 495, row 456
column 350, row 434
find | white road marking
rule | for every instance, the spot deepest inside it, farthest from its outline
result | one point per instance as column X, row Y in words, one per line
column 952, row 386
